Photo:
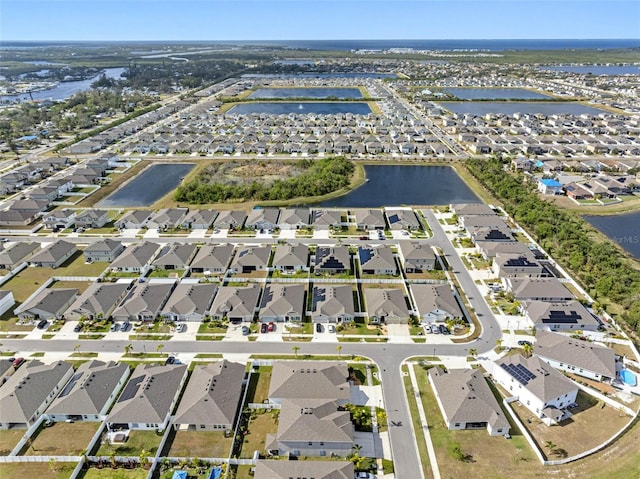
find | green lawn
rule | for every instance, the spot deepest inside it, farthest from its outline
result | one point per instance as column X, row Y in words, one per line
column 138, row 440
column 40, row 470
column 260, row 424
column 201, row 444
column 108, row 473
column 75, row 266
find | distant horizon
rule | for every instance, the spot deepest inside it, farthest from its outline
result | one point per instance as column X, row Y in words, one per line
column 316, row 20
column 380, row 39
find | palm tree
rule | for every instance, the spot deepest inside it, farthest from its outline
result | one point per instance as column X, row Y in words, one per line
column 295, row 350
column 499, row 343
column 127, row 349
column 339, row 349
column 551, row 446
column 159, row 347
column 76, row 348
column 144, row 458
column 527, row 350
column 473, row 352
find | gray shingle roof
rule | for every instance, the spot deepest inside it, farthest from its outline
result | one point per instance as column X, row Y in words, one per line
column 190, row 298
column 316, row 420
column 213, row 257
column 239, row 300
column 429, row 297
column 175, row 255
column 291, row 255
column 106, row 245
column 145, row 299
column 18, row 252
column 50, row 300
column 332, row 300
column 53, row 252
column 310, row 379
column 212, row 395
column 386, row 302
column 136, row 256
column 99, row 298
column 311, row 469
column 280, row 299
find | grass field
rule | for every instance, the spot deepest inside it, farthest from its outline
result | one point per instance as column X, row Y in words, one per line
column 9, row 439
column 138, row 440
column 108, row 473
column 76, row 439
column 200, row 444
column 257, row 430
column 41, row 470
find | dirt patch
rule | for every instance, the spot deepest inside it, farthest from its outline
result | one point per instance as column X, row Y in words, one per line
column 246, row 172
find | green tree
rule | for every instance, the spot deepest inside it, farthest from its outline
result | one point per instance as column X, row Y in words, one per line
column 295, row 350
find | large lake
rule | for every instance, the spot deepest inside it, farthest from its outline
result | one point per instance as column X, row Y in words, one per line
column 395, row 185
column 481, row 108
column 306, row 93
column 301, row 108
column 467, row 93
column 149, row 186
column 596, row 69
column 64, row 89
column 622, row 229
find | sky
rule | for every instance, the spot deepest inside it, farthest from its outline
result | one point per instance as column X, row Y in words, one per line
column 199, row 20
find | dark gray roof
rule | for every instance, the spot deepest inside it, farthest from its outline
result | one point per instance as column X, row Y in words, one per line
column 53, row 252
column 17, row 252
column 310, row 379
column 190, row 298
column 311, row 469
column 99, row 298
column 136, row 256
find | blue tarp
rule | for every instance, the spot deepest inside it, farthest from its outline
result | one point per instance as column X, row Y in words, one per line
column 215, row 473
column 179, row 475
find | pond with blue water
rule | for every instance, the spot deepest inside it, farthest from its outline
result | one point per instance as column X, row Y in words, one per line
column 301, row 108
column 306, row 92
column 481, row 108
column 469, row 93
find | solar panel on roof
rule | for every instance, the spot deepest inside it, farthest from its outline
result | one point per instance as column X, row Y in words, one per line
column 519, row 372
column 130, row 389
column 365, row 254
column 319, row 294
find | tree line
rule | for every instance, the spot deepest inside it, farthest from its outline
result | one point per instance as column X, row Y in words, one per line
column 319, row 178
column 597, row 263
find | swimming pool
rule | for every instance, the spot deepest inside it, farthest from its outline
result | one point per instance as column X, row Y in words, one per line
column 628, row 377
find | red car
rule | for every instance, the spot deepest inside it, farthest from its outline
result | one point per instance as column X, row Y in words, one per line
column 271, row 327
column 17, row 362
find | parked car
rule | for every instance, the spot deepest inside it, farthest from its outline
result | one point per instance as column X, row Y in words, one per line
column 42, row 324
column 114, row 327
column 125, row 326
column 271, row 327
column 170, row 360
column 78, row 328
column 263, row 328
column 318, row 328
column 181, row 328
column 435, row 329
column 443, row 329
column 17, row 362
column 331, row 328
column 245, row 330
column 524, row 343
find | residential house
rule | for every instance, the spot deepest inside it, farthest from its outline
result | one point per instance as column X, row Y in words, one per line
column 417, row 257
column 175, row 257
column 282, row 302
column 250, row 259
column 189, row 302
column 576, row 356
column 293, row 218
column 386, row 305
column 328, row 380
column 199, row 219
column 103, row 250
column 90, row 393
column 435, row 302
column 149, row 397
column 236, row 303
column 517, row 264
column 554, row 316
column 274, row 469
column 291, row 258
column 29, row 390
column 369, row 219
column 212, row 259
column 466, row 401
column 549, row 186
column 473, row 222
column 44, row 193
column 13, row 217
column 168, row 218
column 16, row 254
column 402, row 219
column 332, row 260
column 59, row 219
column 263, row 219
column 53, row 255
column 98, row 301
column 212, row 397
column 326, row 219
column 489, row 249
column 332, row 303
column 472, row 209
column 143, row 302
column 377, row 260
column 537, row 386
column 537, row 289
column 50, row 304
column 232, row 219
column 135, row 259
column 133, row 220
column 92, row 219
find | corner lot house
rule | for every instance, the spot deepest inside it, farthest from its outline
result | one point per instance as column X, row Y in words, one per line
column 98, row 300
column 386, row 305
column 211, row 399
column 332, row 303
column 148, row 398
column 11, row 257
column 435, row 302
column 28, row 392
column 282, row 302
column 538, row 387
column 236, row 303
column 189, row 302
column 103, row 250
column 466, row 402
column 48, row 304
column 53, row 255
column 90, row 393
column 569, row 315
column 576, row 356
column 144, row 302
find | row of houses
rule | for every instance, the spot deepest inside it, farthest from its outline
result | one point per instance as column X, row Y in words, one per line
column 466, row 401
